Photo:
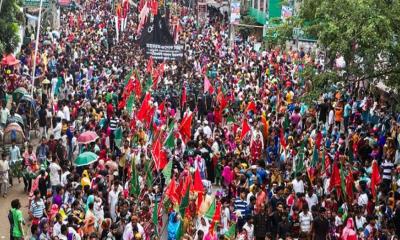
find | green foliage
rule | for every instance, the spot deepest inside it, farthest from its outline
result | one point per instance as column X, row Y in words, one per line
column 10, row 18
column 246, row 31
column 364, row 32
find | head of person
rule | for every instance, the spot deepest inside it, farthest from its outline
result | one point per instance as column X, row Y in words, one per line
column 16, row 204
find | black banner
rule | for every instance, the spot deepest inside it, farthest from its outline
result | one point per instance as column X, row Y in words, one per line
column 156, row 32
column 164, row 52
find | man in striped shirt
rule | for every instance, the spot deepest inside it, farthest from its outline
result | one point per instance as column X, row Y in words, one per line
column 113, row 124
column 387, row 169
column 36, row 210
column 240, row 206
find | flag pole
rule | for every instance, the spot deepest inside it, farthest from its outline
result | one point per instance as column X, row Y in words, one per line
column 36, row 46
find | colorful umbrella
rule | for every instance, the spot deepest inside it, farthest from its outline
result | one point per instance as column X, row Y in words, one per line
column 86, row 158
column 87, row 137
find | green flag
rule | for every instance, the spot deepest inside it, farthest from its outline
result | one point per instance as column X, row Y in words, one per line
column 211, row 210
column 299, row 163
column 148, row 84
column 118, row 137
column 167, row 172
column 230, row 119
column 135, row 188
column 323, row 160
column 155, row 217
column 127, row 77
column 315, row 157
column 231, row 231
column 170, row 141
column 184, row 202
column 149, row 174
column 129, row 103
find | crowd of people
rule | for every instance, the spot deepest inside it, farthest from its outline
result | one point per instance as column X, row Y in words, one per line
column 218, row 145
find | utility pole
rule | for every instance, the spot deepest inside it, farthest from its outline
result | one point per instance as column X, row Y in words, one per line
column 36, row 46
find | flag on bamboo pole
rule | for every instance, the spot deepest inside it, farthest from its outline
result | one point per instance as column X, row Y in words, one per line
column 211, row 210
column 129, row 104
column 149, row 174
column 138, row 89
column 167, row 171
column 171, row 192
column 127, row 77
column 197, row 184
column 135, row 188
column 148, row 83
column 334, row 181
column 207, row 86
column 159, row 155
column 217, row 214
column 230, row 234
column 170, row 140
column 155, row 217
column 245, row 129
column 185, row 128
column 144, row 108
column 184, row 202
column 118, row 137
column 251, row 107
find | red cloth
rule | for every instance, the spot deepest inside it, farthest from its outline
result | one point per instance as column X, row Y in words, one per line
column 375, row 177
column 245, row 129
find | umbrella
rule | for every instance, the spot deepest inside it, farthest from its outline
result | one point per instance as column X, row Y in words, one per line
column 21, row 90
column 87, row 137
column 86, row 158
column 12, row 132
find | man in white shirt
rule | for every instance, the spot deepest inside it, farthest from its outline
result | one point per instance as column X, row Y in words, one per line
column 306, row 219
column 311, row 198
column 55, row 172
column 132, row 228
column 298, row 184
column 66, row 112
column 362, row 199
column 57, row 130
column 4, row 113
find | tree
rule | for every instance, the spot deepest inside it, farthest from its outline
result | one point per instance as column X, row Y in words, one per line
column 10, row 19
column 364, row 32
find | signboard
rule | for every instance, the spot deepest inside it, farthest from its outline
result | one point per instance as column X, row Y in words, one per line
column 235, row 12
column 286, row 12
column 164, row 52
column 35, row 3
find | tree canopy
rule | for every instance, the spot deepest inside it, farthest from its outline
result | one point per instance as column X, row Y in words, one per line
column 10, row 19
column 364, row 32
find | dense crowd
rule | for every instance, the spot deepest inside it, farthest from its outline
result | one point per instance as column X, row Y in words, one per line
column 219, row 145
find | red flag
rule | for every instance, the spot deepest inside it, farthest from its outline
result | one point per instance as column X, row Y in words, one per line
column 198, row 184
column 375, row 177
column 149, row 65
column 217, row 214
column 185, row 128
column 282, row 138
column 245, row 129
column 144, row 109
column 223, row 102
column 318, row 139
column 335, row 182
column 138, row 89
column 171, row 192
column 159, row 155
column 207, row 86
column 199, row 200
column 251, row 107
column 183, row 98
